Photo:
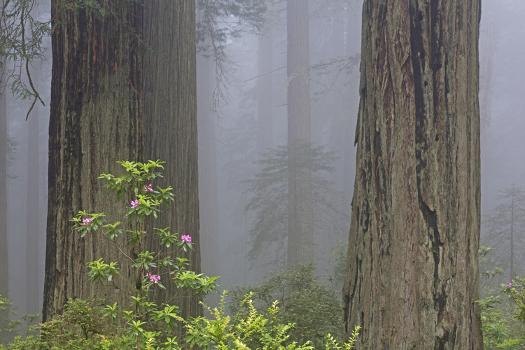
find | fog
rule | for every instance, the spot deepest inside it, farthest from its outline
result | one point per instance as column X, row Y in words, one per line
column 244, row 113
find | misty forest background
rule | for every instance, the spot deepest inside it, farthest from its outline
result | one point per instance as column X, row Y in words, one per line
column 247, row 120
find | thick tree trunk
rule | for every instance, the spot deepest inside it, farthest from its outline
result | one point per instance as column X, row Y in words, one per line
column 170, row 108
column 96, row 119
column 412, row 278
column 300, row 211
column 123, row 88
column 3, row 192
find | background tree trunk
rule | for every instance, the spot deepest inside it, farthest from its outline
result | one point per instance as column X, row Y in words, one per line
column 36, row 169
column 170, row 108
column 3, row 191
column 412, row 278
column 264, row 88
column 33, row 210
column 208, row 178
column 300, row 211
column 96, row 119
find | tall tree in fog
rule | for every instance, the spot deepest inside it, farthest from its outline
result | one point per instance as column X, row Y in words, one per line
column 32, row 222
column 3, row 189
column 412, row 280
column 123, row 87
column 300, row 211
column 208, row 179
column 219, row 22
column 265, row 85
column 35, row 205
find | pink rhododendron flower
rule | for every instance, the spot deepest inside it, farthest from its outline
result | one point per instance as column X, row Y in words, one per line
column 186, row 238
column 153, row 278
column 134, row 203
column 87, row 221
column 509, row 285
column 148, row 187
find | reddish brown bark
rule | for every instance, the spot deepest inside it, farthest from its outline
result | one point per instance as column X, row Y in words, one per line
column 412, row 278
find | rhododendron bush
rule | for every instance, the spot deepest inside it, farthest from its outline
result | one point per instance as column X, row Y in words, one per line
column 144, row 323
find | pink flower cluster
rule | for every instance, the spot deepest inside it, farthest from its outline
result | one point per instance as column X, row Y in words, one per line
column 134, row 203
column 185, row 238
column 153, row 278
column 148, row 187
column 86, row 221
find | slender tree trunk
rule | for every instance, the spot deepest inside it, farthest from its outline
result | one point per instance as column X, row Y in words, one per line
column 33, row 209
column 96, row 119
column 412, row 278
column 265, row 89
column 208, row 187
column 170, row 109
column 3, row 192
column 300, row 211
column 513, row 206
column 35, row 200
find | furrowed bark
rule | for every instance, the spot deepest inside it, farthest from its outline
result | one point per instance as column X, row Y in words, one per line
column 96, row 119
column 123, row 89
column 170, row 108
column 412, row 279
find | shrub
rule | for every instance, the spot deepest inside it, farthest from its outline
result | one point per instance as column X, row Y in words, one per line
column 503, row 317
column 314, row 309
column 144, row 323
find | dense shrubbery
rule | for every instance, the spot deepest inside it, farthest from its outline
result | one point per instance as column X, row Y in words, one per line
column 146, row 324
column 314, row 309
column 502, row 307
column 11, row 324
column 503, row 317
column 5, row 328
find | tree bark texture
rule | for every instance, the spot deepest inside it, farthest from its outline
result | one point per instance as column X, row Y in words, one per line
column 123, row 89
column 412, row 279
column 96, row 119
column 300, row 210
column 170, row 109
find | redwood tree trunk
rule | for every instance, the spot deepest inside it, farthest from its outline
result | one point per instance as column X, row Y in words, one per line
column 123, row 88
column 95, row 121
column 170, row 109
column 33, row 210
column 208, row 179
column 300, row 211
column 412, row 278
column 264, row 88
column 3, row 192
